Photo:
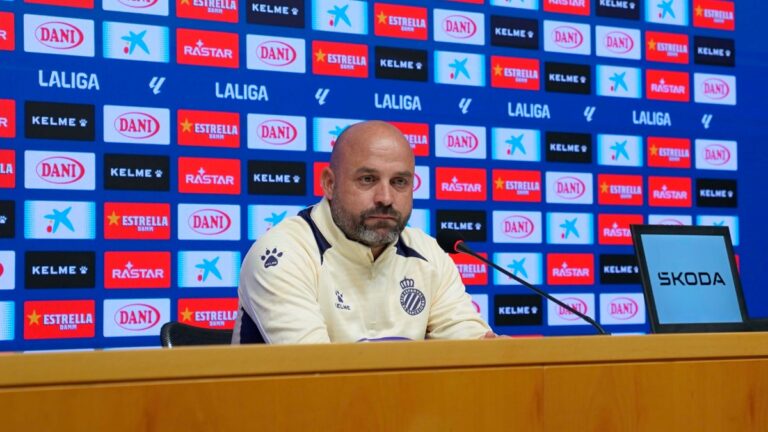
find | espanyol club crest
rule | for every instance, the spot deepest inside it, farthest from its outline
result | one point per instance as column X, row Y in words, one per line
column 411, row 299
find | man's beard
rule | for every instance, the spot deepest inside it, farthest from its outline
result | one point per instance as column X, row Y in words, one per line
column 354, row 227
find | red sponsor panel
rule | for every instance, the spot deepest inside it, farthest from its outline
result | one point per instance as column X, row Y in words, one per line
column 208, row 175
column 417, row 135
column 212, row 313
column 669, row 152
column 59, row 319
column 340, row 59
column 516, row 185
column 212, row 10
column 317, row 170
column 7, row 32
column 85, row 4
column 468, row 1
column 570, row 269
column 468, row 184
column 613, row 229
column 619, row 189
column 667, row 85
column 7, row 169
column 7, row 118
column 137, row 269
column 400, row 21
column 472, row 270
column 515, row 73
column 669, row 191
column 667, row 47
column 714, row 14
column 573, row 7
column 208, row 128
column 207, row 48
column 137, row 221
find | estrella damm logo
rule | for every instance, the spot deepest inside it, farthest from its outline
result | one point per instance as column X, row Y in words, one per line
column 137, row 221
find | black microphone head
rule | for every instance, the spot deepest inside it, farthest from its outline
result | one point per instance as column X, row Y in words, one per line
column 448, row 239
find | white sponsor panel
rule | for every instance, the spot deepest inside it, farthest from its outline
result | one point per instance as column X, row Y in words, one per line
column 7, row 271
column 208, row 222
column 208, row 269
column 340, row 16
column 518, row 4
column 272, row 53
column 7, row 320
column 135, row 317
column 567, row 37
column 459, row 26
column 59, row 170
column 559, row 316
column 616, row 81
column 139, row 42
column 456, row 141
column 58, row 35
column 421, row 219
column 674, row 12
column 716, row 155
column 517, row 227
column 570, row 228
column 459, row 68
column 137, row 125
column 262, row 218
column 624, row 308
column 327, row 130
column 60, row 220
column 480, row 302
column 277, row 132
column 146, row 7
column 528, row 266
column 516, row 144
column 569, row 187
column 732, row 222
column 714, row 89
column 620, row 150
column 421, row 183
column 618, row 42
column 680, row 220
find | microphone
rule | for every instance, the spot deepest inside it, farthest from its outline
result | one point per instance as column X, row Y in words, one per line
column 452, row 242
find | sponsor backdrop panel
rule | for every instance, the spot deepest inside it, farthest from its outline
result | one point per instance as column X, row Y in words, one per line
column 145, row 145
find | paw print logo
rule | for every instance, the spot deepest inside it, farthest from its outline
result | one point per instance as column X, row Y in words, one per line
column 270, row 257
column 83, row 122
column 83, row 270
column 3, row 220
column 158, row 173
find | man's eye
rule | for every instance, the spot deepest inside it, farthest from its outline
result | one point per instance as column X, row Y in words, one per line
column 367, row 179
column 400, row 182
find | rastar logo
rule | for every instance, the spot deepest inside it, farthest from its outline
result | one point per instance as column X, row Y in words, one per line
column 515, row 73
column 619, row 189
column 340, row 59
column 714, row 14
column 472, row 271
column 128, row 270
column 408, row 22
column 613, row 229
column 669, row 152
column 518, row 226
column 714, row 89
column 573, row 7
column 213, row 313
column 417, row 135
column 666, row 47
column 207, row 48
column 212, row 10
column 137, row 221
column 209, row 221
column 516, row 185
column 208, row 128
column 7, row 169
column 7, row 118
column 208, row 175
column 667, row 85
column 460, row 184
column 7, row 32
column 669, row 191
column 570, row 269
column 60, row 319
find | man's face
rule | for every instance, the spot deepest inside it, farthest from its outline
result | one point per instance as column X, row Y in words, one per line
column 372, row 188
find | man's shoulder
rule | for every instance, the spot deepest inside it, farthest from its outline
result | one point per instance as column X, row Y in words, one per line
column 421, row 242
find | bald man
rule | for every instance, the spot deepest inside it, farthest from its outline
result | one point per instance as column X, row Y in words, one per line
column 348, row 269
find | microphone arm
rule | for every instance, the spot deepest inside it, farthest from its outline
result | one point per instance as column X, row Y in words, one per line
column 461, row 247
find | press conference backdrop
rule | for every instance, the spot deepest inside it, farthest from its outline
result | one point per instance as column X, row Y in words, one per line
column 147, row 143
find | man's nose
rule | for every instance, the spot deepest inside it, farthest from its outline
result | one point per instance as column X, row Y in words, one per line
column 384, row 194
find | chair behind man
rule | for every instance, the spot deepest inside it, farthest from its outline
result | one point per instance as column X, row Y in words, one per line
column 174, row 333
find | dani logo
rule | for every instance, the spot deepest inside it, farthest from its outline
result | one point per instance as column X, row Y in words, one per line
column 135, row 317
column 459, row 27
column 565, row 37
column 517, row 227
column 716, row 155
column 460, row 141
column 714, row 89
column 208, row 222
column 58, row 35
column 626, row 308
column 137, row 125
column 53, row 170
column 569, row 188
column 272, row 132
column 272, row 53
column 558, row 315
column 146, row 7
column 618, row 42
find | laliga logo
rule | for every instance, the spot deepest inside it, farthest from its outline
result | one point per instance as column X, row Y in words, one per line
column 60, row 170
column 461, row 141
column 137, row 125
column 138, row 4
column 567, row 37
column 576, row 303
column 517, row 227
column 569, row 187
column 59, row 35
column 416, row 182
column 715, row 88
column 619, row 42
column 276, row 53
column 623, row 308
column 137, row 317
column 716, row 154
column 277, row 132
column 209, row 221
column 459, row 26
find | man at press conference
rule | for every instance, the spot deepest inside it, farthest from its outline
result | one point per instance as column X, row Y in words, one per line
column 348, row 269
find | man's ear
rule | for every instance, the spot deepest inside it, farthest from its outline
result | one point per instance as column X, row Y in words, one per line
column 327, row 180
